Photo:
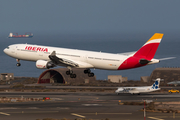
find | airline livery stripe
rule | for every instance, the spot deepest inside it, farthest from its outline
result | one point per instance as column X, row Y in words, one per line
column 153, row 41
column 156, row 36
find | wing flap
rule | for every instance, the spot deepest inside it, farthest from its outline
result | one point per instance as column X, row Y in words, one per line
column 59, row 61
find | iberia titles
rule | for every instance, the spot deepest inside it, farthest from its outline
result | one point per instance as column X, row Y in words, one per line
column 36, row 49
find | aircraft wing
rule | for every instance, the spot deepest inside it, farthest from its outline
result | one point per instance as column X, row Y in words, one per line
column 68, row 62
column 59, row 61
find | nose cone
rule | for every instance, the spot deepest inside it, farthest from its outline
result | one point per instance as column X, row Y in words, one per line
column 8, row 51
column 5, row 50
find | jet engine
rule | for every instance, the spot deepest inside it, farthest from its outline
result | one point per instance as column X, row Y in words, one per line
column 42, row 64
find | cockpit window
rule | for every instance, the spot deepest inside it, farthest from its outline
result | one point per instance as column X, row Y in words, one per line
column 8, row 47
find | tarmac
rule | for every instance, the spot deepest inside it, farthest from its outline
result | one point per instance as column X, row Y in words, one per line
column 85, row 105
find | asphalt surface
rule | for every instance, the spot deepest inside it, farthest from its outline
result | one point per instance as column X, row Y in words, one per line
column 82, row 105
column 50, row 86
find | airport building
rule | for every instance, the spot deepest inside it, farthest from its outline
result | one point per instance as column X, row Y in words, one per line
column 7, row 76
column 117, row 78
column 145, row 79
column 59, row 76
column 168, row 74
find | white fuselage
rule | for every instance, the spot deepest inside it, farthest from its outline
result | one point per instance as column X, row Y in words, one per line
column 48, row 57
column 134, row 90
column 88, row 59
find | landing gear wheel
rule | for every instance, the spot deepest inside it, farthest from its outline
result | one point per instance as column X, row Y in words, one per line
column 91, row 74
column 73, row 75
column 87, row 71
column 18, row 64
column 67, row 72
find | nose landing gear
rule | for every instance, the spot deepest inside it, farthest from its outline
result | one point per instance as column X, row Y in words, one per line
column 18, row 64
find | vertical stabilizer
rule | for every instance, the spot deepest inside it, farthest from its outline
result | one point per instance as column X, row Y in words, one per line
column 156, row 84
column 148, row 50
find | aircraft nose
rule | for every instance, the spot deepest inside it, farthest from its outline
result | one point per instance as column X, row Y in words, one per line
column 5, row 51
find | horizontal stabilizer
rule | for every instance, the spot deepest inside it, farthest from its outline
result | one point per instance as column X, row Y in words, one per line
column 168, row 58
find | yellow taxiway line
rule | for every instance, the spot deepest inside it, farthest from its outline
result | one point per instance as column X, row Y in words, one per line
column 78, row 115
column 96, row 113
column 155, row 118
column 4, row 113
column 33, row 112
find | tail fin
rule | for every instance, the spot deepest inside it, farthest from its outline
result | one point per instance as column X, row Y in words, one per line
column 156, row 84
column 148, row 50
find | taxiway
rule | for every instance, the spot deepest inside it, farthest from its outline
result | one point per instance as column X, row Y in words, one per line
column 82, row 105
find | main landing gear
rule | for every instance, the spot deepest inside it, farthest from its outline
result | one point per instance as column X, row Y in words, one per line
column 88, row 71
column 70, row 72
column 18, row 64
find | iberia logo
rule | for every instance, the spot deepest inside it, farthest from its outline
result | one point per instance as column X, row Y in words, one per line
column 36, row 49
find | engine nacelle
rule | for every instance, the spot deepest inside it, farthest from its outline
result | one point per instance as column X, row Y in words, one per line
column 42, row 64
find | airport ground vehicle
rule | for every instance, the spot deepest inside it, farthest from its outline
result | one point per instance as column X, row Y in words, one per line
column 173, row 91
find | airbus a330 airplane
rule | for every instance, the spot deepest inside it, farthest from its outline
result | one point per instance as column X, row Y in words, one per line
column 48, row 57
column 138, row 90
